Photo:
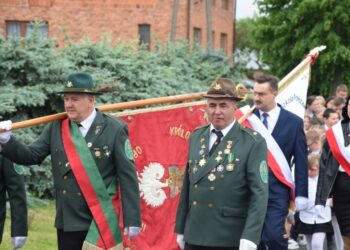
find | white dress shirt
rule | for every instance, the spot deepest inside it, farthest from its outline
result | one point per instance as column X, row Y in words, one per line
column 272, row 117
column 224, row 131
column 309, row 215
column 86, row 124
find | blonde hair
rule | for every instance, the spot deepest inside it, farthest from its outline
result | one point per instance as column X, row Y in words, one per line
column 312, row 159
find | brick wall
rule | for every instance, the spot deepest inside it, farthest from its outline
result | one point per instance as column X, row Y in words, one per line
column 119, row 19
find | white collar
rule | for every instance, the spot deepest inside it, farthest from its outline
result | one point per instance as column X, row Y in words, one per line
column 86, row 124
column 272, row 113
column 225, row 130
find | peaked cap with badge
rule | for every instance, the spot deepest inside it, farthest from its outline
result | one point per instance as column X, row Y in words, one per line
column 223, row 88
column 79, row 83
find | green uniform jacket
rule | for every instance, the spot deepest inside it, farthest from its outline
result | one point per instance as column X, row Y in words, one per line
column 220, row 205
column 107, row 139
column 11, row 181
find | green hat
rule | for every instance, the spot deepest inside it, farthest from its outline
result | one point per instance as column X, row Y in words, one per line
column 223, row 88
column 79, row 83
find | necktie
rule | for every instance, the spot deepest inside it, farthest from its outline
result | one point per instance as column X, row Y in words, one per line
column 264, row 121
column 219, row 135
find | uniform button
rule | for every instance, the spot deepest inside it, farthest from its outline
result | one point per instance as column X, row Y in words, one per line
column 212, row 188
column 89, row 144
column 56, row 150
column 196, row 185
column 64, row 192
column 194, row 203
column 67, row 164
column 65, row 177
column 210, row 205
column 59, row 163
column 222, row 176
column 79, row 194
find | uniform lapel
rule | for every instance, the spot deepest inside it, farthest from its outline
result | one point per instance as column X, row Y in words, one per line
column 97, row 126
column 211, row 162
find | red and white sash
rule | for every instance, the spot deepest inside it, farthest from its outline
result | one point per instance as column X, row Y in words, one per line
column 335, row 138
column 276, row 159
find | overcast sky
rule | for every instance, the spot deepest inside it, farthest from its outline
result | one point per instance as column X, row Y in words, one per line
column 245, row 8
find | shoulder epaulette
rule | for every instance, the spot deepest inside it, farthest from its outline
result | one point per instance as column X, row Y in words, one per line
column 203, row 126
column 255, row 135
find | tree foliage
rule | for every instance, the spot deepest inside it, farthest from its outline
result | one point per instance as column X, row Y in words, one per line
column 286, row 30
column 30, row 76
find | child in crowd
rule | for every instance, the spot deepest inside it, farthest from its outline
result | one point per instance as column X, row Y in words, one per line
column 313, row 226
column 314, row 141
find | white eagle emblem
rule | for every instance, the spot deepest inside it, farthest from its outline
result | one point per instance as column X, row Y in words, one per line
column 151, row 186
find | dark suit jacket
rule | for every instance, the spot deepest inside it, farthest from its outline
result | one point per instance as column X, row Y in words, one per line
column 11, row 181
column 289, row 135
column 219, row 211
column 106, row 139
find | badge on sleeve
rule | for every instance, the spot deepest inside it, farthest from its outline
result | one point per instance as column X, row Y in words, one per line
column 263, row 171
column 128, row 149
column 19, row 169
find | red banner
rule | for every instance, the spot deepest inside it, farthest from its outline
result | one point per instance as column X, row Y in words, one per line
column 160, row 143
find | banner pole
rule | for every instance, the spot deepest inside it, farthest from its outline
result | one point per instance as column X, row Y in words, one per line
column 110, row 107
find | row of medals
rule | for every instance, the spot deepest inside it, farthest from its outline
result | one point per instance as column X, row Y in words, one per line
column 227, row 152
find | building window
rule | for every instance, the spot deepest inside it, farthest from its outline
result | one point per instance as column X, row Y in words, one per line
column 21, row 29
column 214, row 3
column 145, row 35
column 223, row 42
column 224, row 4
column 197, row 35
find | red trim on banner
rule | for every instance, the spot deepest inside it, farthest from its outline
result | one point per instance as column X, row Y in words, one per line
column 86, row 188
column 336, row 151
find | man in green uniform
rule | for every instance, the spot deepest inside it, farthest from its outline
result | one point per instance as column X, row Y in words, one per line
column 91, row 156
column 11, row 181
column 224, row 195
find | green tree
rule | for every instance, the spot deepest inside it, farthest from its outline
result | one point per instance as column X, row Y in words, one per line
column 246, row 47
column 287, row 30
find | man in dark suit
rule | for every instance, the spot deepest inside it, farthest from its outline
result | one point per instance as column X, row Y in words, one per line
column 91, row 155
column 12, row 183
column 287, row 129
column 224, row 194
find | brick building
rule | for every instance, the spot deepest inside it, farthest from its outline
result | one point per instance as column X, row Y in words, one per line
column 128, row 20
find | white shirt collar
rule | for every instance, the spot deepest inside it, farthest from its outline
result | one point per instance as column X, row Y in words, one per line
column 86, row 124
column 225, row 130
column 273, row 112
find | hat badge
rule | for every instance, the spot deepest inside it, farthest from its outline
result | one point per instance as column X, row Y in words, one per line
column 216, row 86
column 69, row 84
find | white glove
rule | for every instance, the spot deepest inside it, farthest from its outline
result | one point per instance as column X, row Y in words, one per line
column 180, row 241
column 247, row 245
column 301, row 203
column 132, row 232
column 5, row 136
column 18, row 241
column 320, row 211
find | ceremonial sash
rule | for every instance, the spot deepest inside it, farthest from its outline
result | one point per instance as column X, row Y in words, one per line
column 335, row 139
column 104, row 230
column 275, row 157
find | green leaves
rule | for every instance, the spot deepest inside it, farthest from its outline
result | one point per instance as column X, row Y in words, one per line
column 286, row 30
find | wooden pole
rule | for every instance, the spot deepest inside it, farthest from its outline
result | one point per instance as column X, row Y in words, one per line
column 110, row 107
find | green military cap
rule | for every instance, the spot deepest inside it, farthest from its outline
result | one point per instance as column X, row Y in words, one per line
column 223, row 88
column 79, row 83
